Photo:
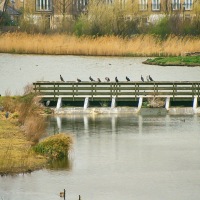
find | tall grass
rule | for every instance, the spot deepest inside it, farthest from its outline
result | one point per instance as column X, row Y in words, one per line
column 139, row 45
column 16, row 155
column 27, row 108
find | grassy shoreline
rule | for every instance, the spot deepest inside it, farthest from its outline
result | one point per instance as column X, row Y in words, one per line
column 16, row 155
column 60, row 44
column 190, row 61
column 22, row 124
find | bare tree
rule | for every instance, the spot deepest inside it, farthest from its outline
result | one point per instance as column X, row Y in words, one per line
column 62, row 7
column 3, row 6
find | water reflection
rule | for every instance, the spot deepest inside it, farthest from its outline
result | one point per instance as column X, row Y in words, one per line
column 59, row 122
column 63, row 164
column 114, row 123
column 119, row 157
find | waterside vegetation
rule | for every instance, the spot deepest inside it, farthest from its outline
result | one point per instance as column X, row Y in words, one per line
column 62, row 44
column 22, row 124
column 174, row 61
column 16, row 155
column 55, row 147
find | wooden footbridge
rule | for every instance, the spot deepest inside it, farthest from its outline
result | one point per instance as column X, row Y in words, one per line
column 118, row 92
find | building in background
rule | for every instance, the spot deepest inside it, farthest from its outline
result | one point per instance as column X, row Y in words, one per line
column 55, row 12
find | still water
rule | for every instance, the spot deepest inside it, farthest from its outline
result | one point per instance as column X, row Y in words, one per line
column 114, row 157
column 117, row 157
column 16, row 71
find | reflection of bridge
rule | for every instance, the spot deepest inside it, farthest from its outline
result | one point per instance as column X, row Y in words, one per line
column 121, row 92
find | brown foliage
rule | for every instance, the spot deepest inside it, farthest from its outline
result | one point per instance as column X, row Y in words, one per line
column 100, row 46
column 28, row 109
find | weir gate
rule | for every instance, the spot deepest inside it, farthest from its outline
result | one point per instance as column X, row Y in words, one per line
column 177, row 93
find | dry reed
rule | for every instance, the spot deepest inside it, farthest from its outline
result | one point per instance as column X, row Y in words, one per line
column 16, row 155
column 27, row 109
column 60, row 44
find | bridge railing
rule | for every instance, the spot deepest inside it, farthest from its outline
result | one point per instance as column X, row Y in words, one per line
column 120, row 90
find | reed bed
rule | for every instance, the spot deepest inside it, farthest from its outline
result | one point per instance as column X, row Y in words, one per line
column 60, row 44
column 16, row 155
column 26, row 111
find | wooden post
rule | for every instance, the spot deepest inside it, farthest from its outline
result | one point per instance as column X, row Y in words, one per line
column 135, row 92
column 92, row 91
column 77, row 87
column 35, row 87
column 39, row 87
column 111, row 90
column 116, row 90
column 192, row 90
column 73, row 90
column 58, row 88
column 54, row 91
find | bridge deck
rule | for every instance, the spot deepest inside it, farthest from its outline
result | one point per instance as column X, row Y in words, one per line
column 123, row 91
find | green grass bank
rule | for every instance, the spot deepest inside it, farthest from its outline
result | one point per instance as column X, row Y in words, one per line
column 190, row 61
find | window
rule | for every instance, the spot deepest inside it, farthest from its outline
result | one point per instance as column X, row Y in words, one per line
column 143, row 5
column 176, row 5
column 155, row 5
column 43, row 5
column 188, row 4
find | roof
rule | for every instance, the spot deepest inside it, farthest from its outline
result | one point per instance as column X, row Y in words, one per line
column 12, row 11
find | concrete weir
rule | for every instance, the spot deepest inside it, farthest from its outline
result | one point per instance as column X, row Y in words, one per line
column 113, row 109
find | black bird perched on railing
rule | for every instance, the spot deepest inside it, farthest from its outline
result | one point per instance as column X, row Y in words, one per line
column 142, row 79
column 107, row 79
column 150, row 78
column 91, row 78
column 78, row 80
column 99, row 80
column 116, row 79
column 127, row 78
column 61, row 78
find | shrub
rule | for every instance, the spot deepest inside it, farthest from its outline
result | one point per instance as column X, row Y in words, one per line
column 55, row 147
column 161, row 28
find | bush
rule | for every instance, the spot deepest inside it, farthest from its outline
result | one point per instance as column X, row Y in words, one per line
column 55, row 147
column 161, row 28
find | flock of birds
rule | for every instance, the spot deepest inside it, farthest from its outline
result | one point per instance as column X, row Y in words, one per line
column 148, row 78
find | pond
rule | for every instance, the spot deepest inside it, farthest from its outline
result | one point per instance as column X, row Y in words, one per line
column 119, row 157
column 16, row 71
column 114, row 156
